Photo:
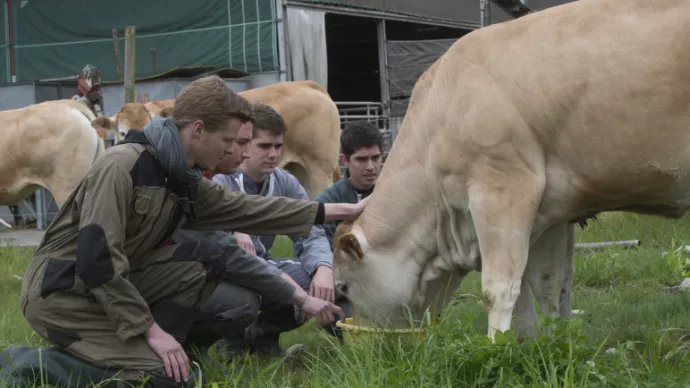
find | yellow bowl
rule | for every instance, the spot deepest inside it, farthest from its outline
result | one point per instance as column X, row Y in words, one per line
column 356, row 334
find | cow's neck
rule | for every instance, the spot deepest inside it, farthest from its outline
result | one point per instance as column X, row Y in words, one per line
column 409, row 214
column 400, row 212
column 456, row 253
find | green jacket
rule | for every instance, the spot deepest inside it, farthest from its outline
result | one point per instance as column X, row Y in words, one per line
column 124, row 208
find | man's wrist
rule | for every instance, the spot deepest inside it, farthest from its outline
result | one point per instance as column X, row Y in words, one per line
column 303, row 300
column 152, row 331
column 323, row 266
column 299, row 295
column 339, row 211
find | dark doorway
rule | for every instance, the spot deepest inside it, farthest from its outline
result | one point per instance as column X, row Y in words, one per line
column 353, row 58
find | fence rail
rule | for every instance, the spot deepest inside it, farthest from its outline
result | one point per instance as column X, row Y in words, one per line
column 374, row 112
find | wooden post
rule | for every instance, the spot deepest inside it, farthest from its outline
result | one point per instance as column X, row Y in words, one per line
column 116, row 50
column 153, row 58
column 130, row 60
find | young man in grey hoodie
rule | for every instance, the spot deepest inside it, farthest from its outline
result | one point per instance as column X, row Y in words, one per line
column 312, row 269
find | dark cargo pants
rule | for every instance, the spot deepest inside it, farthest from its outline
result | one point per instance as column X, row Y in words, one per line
column 243, row 306
column 176, row 283
column 262, row 333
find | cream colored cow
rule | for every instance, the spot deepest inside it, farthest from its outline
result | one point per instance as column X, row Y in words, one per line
column 518, row 130
column 50, row 144
column 312, row 142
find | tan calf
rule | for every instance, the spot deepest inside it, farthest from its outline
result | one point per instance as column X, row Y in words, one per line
column 312, row 142
column 50, row 145
column 517, row 131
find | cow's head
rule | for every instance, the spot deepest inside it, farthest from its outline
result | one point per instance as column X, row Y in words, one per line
column 131, row 116
column 380, row 286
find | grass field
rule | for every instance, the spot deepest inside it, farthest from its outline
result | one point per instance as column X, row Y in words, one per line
column 633, row 332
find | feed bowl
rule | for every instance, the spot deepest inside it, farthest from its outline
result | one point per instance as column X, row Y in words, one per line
column 353, row 333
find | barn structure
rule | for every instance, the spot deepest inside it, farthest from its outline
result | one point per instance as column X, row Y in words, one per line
column 367, row 53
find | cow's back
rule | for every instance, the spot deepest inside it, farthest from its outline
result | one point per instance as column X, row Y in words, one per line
column 597, row 91
column 49, row 144
column 313, row 121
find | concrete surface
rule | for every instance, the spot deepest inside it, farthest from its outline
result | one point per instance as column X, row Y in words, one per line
column 20, row 237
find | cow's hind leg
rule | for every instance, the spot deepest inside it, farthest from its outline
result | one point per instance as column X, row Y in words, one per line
column 503, row 203
column 568, row 263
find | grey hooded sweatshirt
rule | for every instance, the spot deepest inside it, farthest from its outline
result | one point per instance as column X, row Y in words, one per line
column 312, row 251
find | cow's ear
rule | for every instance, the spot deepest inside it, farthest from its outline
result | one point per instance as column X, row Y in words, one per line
column 348, row 247
column 103, row 122
column 166, row 112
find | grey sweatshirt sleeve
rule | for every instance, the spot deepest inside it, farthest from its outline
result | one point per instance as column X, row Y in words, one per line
column 241, row 267
column 227, row 181
column 314, row 250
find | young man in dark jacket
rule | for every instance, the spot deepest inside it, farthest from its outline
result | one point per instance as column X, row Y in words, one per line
column 361, row 147
column 101, row 287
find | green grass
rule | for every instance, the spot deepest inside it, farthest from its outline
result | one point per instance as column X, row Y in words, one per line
column 620, row 290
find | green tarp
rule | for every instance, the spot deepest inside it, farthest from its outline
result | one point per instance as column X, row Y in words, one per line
column 56, row 38
column 4, row 46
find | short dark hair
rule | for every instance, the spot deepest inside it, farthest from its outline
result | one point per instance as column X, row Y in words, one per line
column 359, row 134
column 268, row 119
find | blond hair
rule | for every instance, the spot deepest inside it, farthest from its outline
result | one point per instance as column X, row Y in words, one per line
column 210, row 100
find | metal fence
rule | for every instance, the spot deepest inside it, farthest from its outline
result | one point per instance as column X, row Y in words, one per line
column 373, row 112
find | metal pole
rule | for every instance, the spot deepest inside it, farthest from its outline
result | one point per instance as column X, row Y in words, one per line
column 130, row 60
column 485, row 12
column 40, row 209
column 281, row 15
column 607, row 244
column 286, row 39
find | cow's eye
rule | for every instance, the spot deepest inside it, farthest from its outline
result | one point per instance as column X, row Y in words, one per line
column 342, row 288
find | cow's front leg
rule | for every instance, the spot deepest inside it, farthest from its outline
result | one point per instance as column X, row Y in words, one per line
column 548, row 276
column 503, row 210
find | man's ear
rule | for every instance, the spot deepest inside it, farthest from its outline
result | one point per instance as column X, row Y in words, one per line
column 167, row 112
column 343, row 160
column 349, row 246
